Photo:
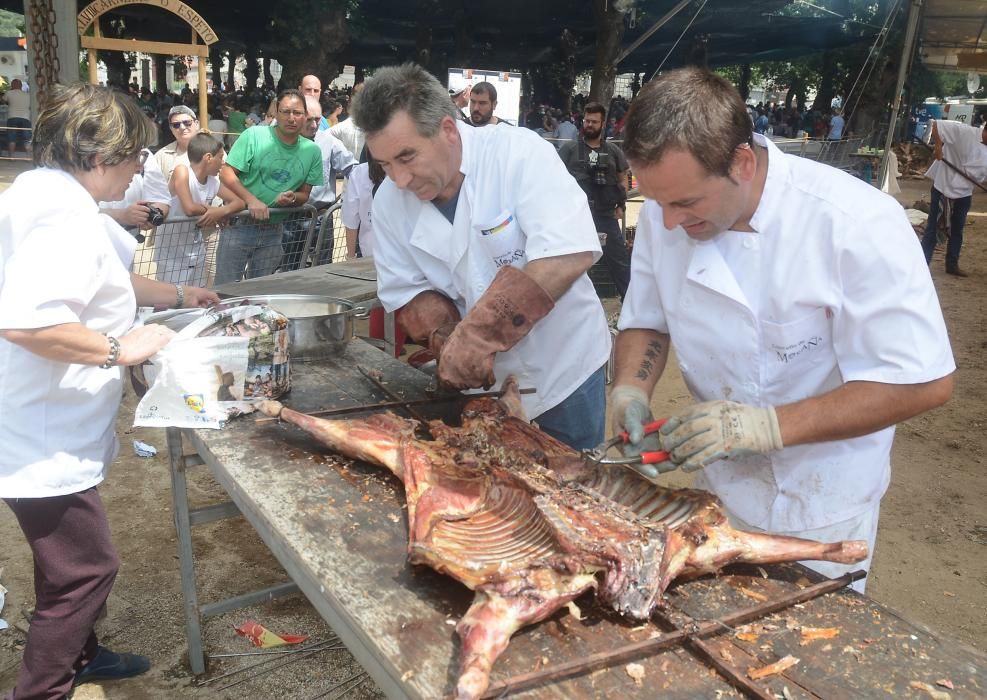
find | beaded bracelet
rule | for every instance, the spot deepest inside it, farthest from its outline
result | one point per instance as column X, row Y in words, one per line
column 179, row 296
column 114, row 355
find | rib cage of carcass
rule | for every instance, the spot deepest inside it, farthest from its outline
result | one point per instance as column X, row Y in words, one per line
column 520, row 519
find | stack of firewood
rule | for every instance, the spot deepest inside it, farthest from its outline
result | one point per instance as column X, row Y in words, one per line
column 913, row 159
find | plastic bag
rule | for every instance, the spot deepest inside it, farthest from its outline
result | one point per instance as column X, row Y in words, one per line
column 216, row 368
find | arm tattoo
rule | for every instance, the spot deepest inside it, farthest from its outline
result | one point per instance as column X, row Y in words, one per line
column 651, row 354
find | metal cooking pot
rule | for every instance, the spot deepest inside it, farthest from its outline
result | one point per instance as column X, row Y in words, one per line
column 318, row 326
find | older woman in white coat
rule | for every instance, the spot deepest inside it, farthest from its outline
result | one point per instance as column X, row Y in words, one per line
column 67, row 305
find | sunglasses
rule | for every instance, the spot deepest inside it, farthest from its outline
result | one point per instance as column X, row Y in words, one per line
column 143, row 156
column 184, row 124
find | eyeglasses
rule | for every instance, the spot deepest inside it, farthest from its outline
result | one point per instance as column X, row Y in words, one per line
column 142, row 157
column 183, row 124
column 291, row 112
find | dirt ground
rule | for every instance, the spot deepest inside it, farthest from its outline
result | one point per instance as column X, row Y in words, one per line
column 930, row 563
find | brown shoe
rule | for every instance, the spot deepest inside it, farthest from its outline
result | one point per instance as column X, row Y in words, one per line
column 955, row 270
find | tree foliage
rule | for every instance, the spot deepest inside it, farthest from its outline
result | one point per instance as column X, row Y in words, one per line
column 11, row 23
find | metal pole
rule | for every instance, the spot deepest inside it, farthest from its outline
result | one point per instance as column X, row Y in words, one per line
column 904, row 67
column 654, row 28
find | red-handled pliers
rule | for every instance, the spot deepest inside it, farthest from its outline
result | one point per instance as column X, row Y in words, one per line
column 599, row 454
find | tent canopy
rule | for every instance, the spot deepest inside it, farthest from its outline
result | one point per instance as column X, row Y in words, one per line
column 515, row 34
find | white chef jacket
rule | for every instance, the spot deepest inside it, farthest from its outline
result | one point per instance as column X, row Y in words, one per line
column 60, row 262
column 961, row 146
column 842, row 293
column 518, row 203
column 358, row 201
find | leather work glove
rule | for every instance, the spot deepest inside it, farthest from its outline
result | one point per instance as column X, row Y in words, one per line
column 429, row 319
column 507, row 311
column 716, row 430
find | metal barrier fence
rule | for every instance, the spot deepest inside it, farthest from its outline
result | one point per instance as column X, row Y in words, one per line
column 834, row 153
column 181, row 252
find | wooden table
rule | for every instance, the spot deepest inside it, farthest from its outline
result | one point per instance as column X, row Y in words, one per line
column 355, row 280
column 340, row 531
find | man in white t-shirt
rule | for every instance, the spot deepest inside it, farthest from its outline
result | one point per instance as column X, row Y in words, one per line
column 961, row 161
column 802, row 316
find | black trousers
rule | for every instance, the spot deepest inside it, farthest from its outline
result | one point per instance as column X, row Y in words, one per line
column 615, row 255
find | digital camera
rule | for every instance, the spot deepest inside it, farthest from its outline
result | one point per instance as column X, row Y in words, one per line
column 155, row 216
column 599, row 164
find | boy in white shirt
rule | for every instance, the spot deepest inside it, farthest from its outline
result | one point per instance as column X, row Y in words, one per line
column 188, row 255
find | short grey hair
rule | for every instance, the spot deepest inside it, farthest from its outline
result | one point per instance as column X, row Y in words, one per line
column 182, row 109
column 691, row 109
column 405, row 88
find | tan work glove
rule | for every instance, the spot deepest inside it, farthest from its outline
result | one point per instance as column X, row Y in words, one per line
column 507, row 311
column 714, row 430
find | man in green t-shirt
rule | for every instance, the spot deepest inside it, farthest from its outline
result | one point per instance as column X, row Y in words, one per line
column 268, row 166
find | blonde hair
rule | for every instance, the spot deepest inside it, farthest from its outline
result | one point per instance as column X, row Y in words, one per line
column 81, row 123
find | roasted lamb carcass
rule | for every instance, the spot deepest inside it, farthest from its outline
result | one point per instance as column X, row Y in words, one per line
column 520, row 519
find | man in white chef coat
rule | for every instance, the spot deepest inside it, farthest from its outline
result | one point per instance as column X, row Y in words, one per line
column 800, row 308
column 482, row 244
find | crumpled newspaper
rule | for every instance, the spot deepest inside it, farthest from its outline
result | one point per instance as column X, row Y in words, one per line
column 142, row 449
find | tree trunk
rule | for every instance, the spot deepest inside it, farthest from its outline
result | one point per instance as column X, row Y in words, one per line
column 698, row 54
column 425, row 14
column 268, row 78
column 824, row 98
column 609, row 36
column 231, row 73
column 567, row 50
column 216, row 63
column 745, row 81
column 251, row 72
column 118, row 68
column 161, row 72
column 328, row 38
column 796, row 93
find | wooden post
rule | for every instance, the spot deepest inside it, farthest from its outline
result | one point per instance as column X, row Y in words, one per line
column 93, row 68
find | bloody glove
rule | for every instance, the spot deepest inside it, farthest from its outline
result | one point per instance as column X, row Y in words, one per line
column 716, row 430
column 429, row 319
column 507, row 311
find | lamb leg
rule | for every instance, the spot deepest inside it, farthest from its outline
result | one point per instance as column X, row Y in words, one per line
column 724, row 545
column 375, row 439
column 499, row 611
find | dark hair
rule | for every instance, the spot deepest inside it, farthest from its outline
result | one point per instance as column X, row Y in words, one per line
column 201, row 144
column 331, row 105
column 79, row 123
column 290, row 93
column 596, row 108
column 406, row 88
column 691, row 109
column 485, row 88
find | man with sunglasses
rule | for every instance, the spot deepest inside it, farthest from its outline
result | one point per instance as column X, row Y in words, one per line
column 801, row 311
column 268, row 167
column 183, row 125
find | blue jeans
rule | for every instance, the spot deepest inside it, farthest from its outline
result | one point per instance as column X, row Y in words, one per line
column 248, row 249
column 578, row 420
column 957, row 220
